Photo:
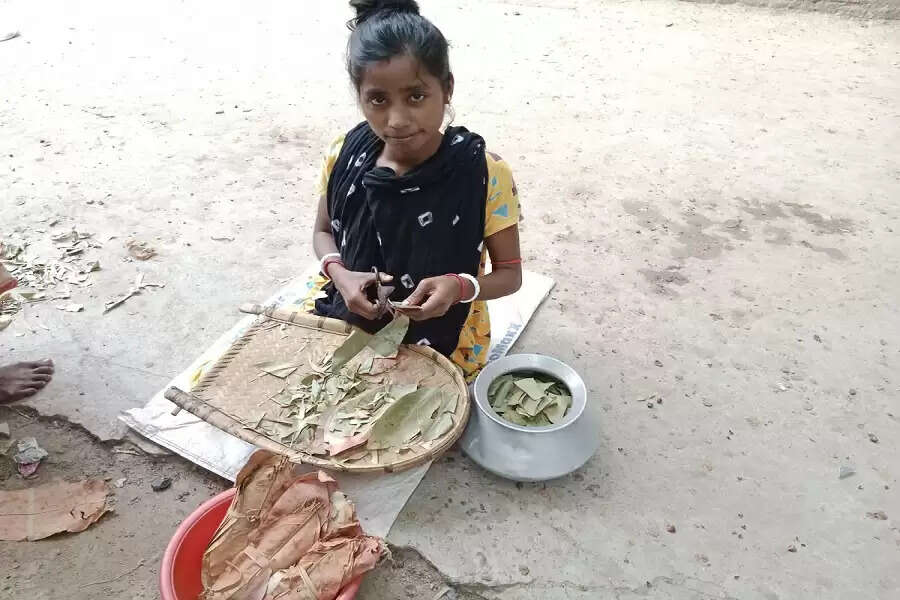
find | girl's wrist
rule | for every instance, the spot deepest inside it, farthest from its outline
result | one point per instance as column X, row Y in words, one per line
column 469, row 288
column 461, row 287
column 336, row 269
column 330, row 263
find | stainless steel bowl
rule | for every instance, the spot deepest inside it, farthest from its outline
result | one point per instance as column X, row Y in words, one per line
column 530, row 453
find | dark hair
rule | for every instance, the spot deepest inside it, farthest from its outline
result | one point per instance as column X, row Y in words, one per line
column 384, row 29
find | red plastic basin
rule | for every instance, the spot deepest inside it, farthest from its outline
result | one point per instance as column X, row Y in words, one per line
column 179, row 577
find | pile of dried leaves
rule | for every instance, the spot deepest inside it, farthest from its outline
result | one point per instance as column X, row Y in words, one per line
column 530, row 399
column 9, row 307
column 344, row 404
column 54, row 277
column 42, row 278
column 45, row 274
column 286, row 537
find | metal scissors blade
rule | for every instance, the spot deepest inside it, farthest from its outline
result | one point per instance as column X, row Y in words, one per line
column 382, row 294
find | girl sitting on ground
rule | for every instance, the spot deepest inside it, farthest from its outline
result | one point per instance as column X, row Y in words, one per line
column 424, row 205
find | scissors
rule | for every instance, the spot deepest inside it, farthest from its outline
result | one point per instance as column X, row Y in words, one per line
column 382, row 295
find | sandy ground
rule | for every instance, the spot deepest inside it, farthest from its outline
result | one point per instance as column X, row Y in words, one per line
column 713, row 187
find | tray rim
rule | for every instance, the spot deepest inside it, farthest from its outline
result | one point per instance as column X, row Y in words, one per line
column 200, row 408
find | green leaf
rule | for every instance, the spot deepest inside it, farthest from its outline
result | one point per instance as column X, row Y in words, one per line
column 529, row 407
column 353, row 345
column 514, row 417
column 501, row 395
column 255, row 424
column 367, row 366
column 398, row 390
column 386, row 342
column 533, row 388
column 555, row 412
column 545, row 402
column 439, row 427
column 405, row 418
column 277, row 368
column 451, row 401
column 529, row 399
column 354, row 404
column 498, row 384
column 516, row 397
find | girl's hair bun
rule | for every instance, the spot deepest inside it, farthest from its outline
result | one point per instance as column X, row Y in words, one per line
column 366, row 9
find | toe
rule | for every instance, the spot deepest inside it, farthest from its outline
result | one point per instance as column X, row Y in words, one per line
column 40, row 363
column 26, row 392
column 42, row 370
column 40, row 377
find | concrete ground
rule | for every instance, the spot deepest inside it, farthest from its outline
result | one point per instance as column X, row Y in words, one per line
column 713, row 187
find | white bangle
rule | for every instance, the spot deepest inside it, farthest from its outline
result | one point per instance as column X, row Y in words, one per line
column 326, row 257
column 474, row 285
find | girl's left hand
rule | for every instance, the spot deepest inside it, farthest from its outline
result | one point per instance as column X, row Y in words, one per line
column 435, row 295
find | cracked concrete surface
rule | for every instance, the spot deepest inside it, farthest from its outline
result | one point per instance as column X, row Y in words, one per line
column 713, row 187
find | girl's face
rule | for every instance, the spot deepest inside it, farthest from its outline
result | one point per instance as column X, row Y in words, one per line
column 404, row 105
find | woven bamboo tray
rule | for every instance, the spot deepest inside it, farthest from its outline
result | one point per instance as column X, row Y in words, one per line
column 232, row 392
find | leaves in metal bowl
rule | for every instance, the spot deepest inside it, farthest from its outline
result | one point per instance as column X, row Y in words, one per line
column 529, row 398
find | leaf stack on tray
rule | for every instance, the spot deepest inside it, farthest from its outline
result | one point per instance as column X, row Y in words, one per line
column 286, row 538
column 529, row 399
column 345, row 406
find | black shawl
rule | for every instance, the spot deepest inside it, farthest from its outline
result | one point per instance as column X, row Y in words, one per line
column 425, row 223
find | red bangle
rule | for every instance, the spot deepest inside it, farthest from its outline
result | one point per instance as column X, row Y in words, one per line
column 515, row 261
column 328, row 263
column 462, row 289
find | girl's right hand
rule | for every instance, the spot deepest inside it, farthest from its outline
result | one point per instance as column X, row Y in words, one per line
column 353, row 286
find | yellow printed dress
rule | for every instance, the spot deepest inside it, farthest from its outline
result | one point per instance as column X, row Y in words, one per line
column 502, row 211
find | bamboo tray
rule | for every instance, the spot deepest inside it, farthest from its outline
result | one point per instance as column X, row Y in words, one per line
column 232, row 392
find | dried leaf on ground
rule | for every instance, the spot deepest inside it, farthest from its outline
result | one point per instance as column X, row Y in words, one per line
column 29, row 451
column 116, row 302
column 74, row 308
column 39, row 512
column 10, row 251
column 39, row 276
column 139, row 284
column 31, row 295
column 140, row 250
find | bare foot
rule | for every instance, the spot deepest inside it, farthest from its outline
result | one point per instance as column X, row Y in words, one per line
column 24, row 379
